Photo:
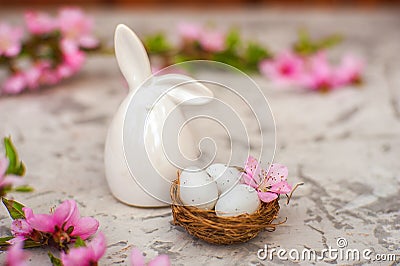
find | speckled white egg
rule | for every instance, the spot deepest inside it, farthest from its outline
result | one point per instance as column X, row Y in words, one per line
column 198, row 189
column 225, row 177
column 240, row 199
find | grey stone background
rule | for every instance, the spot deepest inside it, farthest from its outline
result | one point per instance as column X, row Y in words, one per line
column 344, row 145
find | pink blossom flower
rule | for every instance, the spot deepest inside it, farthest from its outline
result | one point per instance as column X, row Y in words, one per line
column 319, row 74
column 286, row 69
column 63, row 224
column 77, row 27
column 189, row 31
column 20, row 228
column 15, row 254
column 14, row 84
column 86, row 256
column 49, row 77
column 137, row 259
column 32, row 76
column 40, row 22
column 268, row 184
column 212, row 41
column 10, row 40
column 349, row 71
column 73, row 58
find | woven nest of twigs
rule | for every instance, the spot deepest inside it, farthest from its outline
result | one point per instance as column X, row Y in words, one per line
column 206, row 225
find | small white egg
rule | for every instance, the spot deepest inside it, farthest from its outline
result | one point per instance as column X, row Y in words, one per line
column 198, row 189
column 225, row 177
column 216, row 169
column 241, row 199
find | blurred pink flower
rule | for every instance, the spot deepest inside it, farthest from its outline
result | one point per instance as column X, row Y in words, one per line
column 73, row 58
column 137, row 259
column 14, row 84
column 65, row 222
column 40, row 22
column 349, row 70
column 212, row 41
column 86, row 256
column 16, row 255
column 190, row 31
column 286, row 69
column 319, row 75
column 77, row 27
column 49, row 77
column 10, row 40
column 32, row 76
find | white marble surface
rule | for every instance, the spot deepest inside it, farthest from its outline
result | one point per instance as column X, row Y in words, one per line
column 344, row 145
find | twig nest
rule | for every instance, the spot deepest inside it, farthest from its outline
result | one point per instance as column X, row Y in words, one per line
column 224, row 230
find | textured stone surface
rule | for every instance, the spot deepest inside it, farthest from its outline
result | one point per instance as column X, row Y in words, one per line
column 344, row 145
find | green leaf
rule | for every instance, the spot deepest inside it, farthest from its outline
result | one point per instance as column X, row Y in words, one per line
column 14, row 208
column 157, row 44
column 4, row 240
column 254, row 54
column 306, row 46
column 232, row 39
column 330, row 41
column 54, row 260
column 15, row 166
column 24, row 188
column 79, row 242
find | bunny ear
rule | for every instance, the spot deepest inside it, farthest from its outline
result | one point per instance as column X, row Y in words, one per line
column 185, row 90
column 131, row 56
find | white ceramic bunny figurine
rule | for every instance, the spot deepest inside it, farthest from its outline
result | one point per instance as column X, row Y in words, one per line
column 142, row 115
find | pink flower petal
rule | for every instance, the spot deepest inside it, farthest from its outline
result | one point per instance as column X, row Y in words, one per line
column 212, row 41
column 40, row 22
column 85, row 227
column 88, row 41
column 162, row 260
column 74, row 25
column 98, row 245
column 14, row 84
column 85, row 256
column 66, row 213
column 32, row 76
column 249, row 180
column 286, row 68
column 12, row 180
column 77, row 256
column 267, row 196
column 319, row 75
column 189, row 31
column 349, row 70
column 15, row 254
column 3, row 165
column 21, row 228
column 137, row 258
column 10, row 40
column 253, row 170
column 281, row 188
column 276, row 173
column 40, row 222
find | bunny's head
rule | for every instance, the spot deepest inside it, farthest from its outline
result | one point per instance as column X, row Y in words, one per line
column 135, row 66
